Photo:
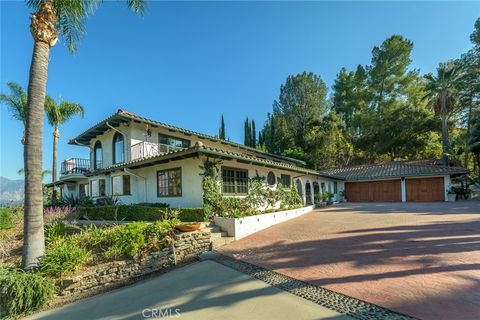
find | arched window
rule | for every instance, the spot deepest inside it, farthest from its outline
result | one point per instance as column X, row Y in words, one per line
column 118, row 148
column 97, row 155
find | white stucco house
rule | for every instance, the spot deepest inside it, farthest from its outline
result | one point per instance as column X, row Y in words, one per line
column 140, row 160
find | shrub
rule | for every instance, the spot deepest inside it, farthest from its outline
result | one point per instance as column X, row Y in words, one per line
column 54, row 231
column 63, row 256
column 22, row 292
column 154, row 204
column 6, row 218
column 58, row 213
column 131, row 238
column 139, row 213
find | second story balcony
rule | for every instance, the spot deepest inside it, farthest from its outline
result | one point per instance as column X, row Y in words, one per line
column 146, row 149
column 74, row 167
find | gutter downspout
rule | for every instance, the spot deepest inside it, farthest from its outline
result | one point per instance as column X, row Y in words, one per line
column 81, row 144
column 113, row 128
column 144, row 181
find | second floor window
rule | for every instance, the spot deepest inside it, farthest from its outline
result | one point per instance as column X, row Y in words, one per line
column 118, row 150
column 173, row 142
column 97, row 155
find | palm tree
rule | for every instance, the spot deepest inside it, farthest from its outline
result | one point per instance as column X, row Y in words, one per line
column 442, row 95
column 44, row 172
column 58, row 114
column 16, row 102
column 50, row 18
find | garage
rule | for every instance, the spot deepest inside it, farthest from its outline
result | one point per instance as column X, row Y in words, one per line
column 425, row 189
column 411, row 181
column 379, row 191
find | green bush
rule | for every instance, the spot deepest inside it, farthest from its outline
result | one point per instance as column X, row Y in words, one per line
column 6, row 218
column 54, row 231
column 192, row 215
column 139, row 213
column 127, row 240
column 131, row 238
column 154, row 204
column 22, row 292
column 64, row 256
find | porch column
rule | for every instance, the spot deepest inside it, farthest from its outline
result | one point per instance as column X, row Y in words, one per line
column 404, row 190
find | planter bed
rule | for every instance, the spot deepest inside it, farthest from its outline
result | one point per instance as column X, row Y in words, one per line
column 242, row 227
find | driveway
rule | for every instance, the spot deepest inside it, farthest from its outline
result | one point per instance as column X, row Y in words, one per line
column 202, row 290
column 421, row 259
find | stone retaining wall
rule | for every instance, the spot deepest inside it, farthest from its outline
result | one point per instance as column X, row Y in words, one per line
column 186, row 247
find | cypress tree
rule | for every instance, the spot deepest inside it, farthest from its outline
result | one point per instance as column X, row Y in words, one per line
column 221, row 131
column 253, row 139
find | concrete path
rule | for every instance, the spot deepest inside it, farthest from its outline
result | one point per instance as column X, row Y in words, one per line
column 421, row 259
column 203, row 290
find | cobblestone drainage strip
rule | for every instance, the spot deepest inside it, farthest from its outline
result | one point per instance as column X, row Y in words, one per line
column 341, row 303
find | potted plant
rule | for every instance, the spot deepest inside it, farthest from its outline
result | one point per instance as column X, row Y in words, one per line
column 452, row 196
column 188, row 227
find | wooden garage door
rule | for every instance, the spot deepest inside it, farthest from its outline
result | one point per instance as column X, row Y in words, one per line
column 425, row 189
column 384, row 190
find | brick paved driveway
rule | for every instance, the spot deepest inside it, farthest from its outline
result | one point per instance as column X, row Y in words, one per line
column 422, row 259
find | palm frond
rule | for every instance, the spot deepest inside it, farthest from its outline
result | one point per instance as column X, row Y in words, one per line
column 137, row 6
column 69, row 109
column 16, row 101
column 72, row 15
column 58, row 114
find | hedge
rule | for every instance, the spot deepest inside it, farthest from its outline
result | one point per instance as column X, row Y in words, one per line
column 23, row 291
column 139, row 213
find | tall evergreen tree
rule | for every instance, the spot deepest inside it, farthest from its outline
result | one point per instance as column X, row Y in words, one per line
column 253, row 139
column 247, row 132
column 221, row 131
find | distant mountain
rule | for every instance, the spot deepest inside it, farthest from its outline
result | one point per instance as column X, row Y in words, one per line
column 11, row 190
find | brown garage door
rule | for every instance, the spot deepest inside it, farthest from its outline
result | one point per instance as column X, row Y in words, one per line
column 425, row 189
column 384, row 190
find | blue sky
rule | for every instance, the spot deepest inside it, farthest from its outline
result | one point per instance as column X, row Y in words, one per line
column 186, row 63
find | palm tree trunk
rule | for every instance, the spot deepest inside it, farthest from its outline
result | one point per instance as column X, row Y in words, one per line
column 34, row 241
column 56, row 135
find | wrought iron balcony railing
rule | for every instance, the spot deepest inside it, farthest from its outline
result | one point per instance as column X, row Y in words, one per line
column 75, row 166
column 146, row 149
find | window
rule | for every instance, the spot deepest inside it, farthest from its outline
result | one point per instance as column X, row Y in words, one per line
column 322, row 186
column 121, row 185
column 173, row 142
column 101, row 187
column 83, row 190
column 118, row 148
column 94, row 188
column 335, row 187
column 169, row 183
column 271, row 178
column 285, row 180
column 97, row 155
column 235, row 181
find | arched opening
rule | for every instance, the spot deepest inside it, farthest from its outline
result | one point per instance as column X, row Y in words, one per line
column 308, row 193
column 298, row 184
column 316, row 192
column 97, row 155
column 118, row 148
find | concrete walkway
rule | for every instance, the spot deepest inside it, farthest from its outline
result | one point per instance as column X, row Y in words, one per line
column 202, row 290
